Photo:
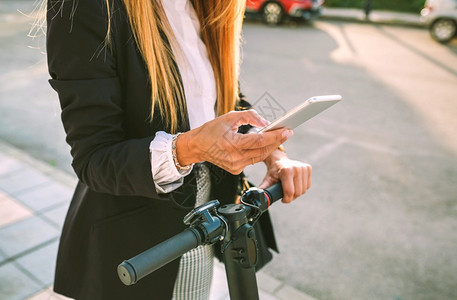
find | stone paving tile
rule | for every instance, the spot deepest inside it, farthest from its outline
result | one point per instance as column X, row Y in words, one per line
column 42, row 193
column 41, row 295
column 267, row 283
column 11, row 211
column 45, row 196
column 21, row 181
column 47, row 294
column 266, row 296
column 15, row 285
column 57, row 215
column 9, row 165
column 287, row 292
column 41, row 263
column 219, row 287
column 25, row 234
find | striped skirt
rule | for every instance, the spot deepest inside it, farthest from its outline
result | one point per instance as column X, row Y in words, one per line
column 196, row 266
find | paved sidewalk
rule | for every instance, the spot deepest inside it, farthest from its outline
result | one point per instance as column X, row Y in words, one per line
column 34, row 198
column 376, row 16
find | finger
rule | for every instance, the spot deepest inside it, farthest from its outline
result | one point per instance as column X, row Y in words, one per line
column 309, row 169
column 287, row 183
column 298, row 182
column 253, row 156
column 267, row 182
column 258, row 154
column 238, row 165
column 259, row 140
column 240, row 159
column 251, row 117
column 246, row 161
column 304, row 179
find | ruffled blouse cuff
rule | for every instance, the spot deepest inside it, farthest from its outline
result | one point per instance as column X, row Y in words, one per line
column 164, row 173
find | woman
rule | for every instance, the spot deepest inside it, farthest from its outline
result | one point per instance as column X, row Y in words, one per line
column 131, row 75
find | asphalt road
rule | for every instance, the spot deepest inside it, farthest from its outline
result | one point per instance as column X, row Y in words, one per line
column 380, row 220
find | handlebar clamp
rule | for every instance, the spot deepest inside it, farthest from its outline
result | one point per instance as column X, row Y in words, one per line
column 201, row 213
column 204, row 219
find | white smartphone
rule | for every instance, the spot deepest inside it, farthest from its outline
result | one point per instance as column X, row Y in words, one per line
column 303, row 112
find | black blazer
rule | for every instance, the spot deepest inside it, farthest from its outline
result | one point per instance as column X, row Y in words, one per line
column 116, row 212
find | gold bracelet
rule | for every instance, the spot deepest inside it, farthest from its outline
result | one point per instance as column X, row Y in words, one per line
column 281, row 148
column 175, row 157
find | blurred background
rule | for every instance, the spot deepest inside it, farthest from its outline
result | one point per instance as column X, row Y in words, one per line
column 380, row 221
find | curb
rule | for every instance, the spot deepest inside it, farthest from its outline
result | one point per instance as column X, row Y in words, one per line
column 364, row 21
column 376, row 17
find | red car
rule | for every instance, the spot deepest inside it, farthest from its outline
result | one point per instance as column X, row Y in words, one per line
column 274, row 11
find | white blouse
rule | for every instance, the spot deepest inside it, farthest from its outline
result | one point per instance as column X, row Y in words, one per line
column 199, row 88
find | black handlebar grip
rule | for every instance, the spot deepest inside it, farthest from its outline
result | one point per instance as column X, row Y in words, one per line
column 274, row 193
column 132, row 270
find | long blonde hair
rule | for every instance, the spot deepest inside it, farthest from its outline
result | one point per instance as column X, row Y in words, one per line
column 221, row 28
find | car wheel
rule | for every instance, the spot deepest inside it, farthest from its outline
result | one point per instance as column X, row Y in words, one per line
column 273, row 13
column 443, row 30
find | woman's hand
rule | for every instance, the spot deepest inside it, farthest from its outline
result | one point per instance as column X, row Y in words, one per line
column 295, row 176
column 218, row 142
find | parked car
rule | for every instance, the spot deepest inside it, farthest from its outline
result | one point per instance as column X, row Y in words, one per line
column 441, row 19
column 274, row 12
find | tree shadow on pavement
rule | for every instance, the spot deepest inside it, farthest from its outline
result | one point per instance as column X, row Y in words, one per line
column 382, row 207
column 420, row 53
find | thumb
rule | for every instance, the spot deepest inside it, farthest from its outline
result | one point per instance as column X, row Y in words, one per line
column 246, row 117
column 267, row 182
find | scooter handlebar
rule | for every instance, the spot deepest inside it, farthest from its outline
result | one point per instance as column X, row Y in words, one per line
column 274, row 193
column 132, row 270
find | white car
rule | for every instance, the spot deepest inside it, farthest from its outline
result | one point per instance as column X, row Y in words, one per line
column 441, row 19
